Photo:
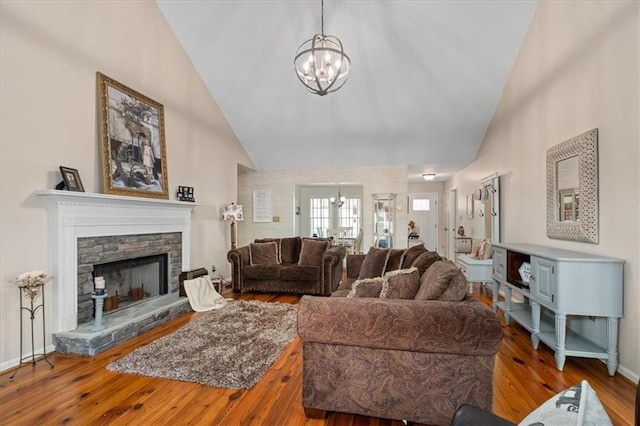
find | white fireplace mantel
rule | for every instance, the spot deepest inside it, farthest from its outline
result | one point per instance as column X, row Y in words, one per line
column 74, row 215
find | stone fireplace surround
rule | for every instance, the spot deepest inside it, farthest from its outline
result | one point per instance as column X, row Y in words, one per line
column 94, row 250
column 74, row 215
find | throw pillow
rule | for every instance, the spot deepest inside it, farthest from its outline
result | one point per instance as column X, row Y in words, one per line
column 374, row 263
column 401, row 284
column 579, row 405
column 475, row 248
column 411, row 254
column 263, row 253
column 425, row 260
column 394, row 260
column 278, row 241
column 486, row 250
column 442, row 282
column 312, row 251
column 367, row 287
column 290, row 249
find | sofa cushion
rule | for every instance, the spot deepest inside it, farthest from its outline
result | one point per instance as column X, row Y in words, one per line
column 411, row 254
column 442, row 281
column 259, row 272
column 311, row 252
column 425, row 260
column 263, row 253
column 367, row 287
column 394, row 260
column 374, row 263
column 401, row 284
column 299, row 273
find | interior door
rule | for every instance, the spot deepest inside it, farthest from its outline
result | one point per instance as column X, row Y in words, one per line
column 452, row 206
column 423, row 211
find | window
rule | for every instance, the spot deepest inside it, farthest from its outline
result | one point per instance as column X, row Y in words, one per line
column 319, row 216
column 421, row 205
column 349, row 217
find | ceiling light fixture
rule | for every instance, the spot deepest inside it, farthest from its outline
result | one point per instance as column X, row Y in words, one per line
column 429, row 176
column 320, row 62
column 339, row 202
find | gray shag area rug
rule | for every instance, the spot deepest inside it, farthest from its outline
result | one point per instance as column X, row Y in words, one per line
column 232, row 347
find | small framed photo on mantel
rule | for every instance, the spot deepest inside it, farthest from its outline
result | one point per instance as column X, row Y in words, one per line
column 70, row 180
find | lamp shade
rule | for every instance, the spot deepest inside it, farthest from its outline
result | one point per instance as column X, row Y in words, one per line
column 232, row 212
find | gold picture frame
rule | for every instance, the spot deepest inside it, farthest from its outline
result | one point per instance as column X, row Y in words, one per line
column 132, row 141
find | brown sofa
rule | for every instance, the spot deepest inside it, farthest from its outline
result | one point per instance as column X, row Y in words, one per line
column 320, row 274
column 405, row 359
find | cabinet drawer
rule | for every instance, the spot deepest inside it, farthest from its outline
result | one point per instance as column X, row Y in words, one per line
column 499, row 264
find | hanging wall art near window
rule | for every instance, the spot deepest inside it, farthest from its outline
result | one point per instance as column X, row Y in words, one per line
column 132, row 141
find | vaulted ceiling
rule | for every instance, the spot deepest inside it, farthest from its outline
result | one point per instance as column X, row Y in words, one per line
column 426, row 77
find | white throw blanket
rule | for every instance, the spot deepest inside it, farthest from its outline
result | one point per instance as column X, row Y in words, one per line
column 202, row 295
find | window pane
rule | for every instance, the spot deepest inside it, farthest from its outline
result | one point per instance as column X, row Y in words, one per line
column 319, row 216
column 421, row 204
column 350, row 217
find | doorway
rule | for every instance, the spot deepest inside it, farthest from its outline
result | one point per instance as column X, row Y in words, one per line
column 423, row 213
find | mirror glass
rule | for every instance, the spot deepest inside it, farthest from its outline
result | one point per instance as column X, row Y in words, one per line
column 572, row 189
column 568, row 189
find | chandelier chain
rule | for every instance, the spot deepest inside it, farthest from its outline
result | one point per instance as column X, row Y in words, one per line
column 322, row 17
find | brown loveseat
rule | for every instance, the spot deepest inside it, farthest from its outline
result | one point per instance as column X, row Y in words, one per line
column 406, row 359
column 302, row 265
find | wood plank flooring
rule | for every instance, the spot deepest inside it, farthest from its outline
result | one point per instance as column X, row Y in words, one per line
column 80, row 391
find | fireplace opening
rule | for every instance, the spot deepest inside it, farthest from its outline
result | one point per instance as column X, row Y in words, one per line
column 132, row 281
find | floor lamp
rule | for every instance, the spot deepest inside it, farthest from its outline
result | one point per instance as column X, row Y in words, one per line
column 233, row 213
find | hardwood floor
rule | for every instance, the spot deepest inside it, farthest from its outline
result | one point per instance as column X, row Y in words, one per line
column 80, row 391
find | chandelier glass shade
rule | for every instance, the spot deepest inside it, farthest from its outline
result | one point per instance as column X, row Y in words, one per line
column 321, row 64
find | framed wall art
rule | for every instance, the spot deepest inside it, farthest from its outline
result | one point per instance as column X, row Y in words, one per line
column 132, row 141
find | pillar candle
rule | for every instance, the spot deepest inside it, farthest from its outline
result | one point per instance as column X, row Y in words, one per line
column 99, row 283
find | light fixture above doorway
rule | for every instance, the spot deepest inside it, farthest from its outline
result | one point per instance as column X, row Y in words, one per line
column 320, row 62
column 429, row 176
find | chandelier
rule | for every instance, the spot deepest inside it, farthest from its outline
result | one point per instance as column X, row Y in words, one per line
column 337, row 202
column 320, row 62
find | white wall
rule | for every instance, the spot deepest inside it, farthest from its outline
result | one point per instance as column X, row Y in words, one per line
column 578, row 69
column 281, row 184
column 50, row 52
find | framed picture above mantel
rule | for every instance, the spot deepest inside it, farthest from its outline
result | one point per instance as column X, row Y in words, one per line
column 132, row 141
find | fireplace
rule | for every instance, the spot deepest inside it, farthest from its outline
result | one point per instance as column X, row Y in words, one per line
column 132, row 281
column 148, row 263
column 88, row 229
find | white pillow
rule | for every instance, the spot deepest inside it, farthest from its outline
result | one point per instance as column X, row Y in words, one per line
column 579, row 405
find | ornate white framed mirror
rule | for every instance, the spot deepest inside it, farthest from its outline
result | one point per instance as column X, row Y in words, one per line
column 572, row 189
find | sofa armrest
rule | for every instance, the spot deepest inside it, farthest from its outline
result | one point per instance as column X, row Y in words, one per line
column 354, row 264
column 239, row 258
column 331, row 273
column 467, row 328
